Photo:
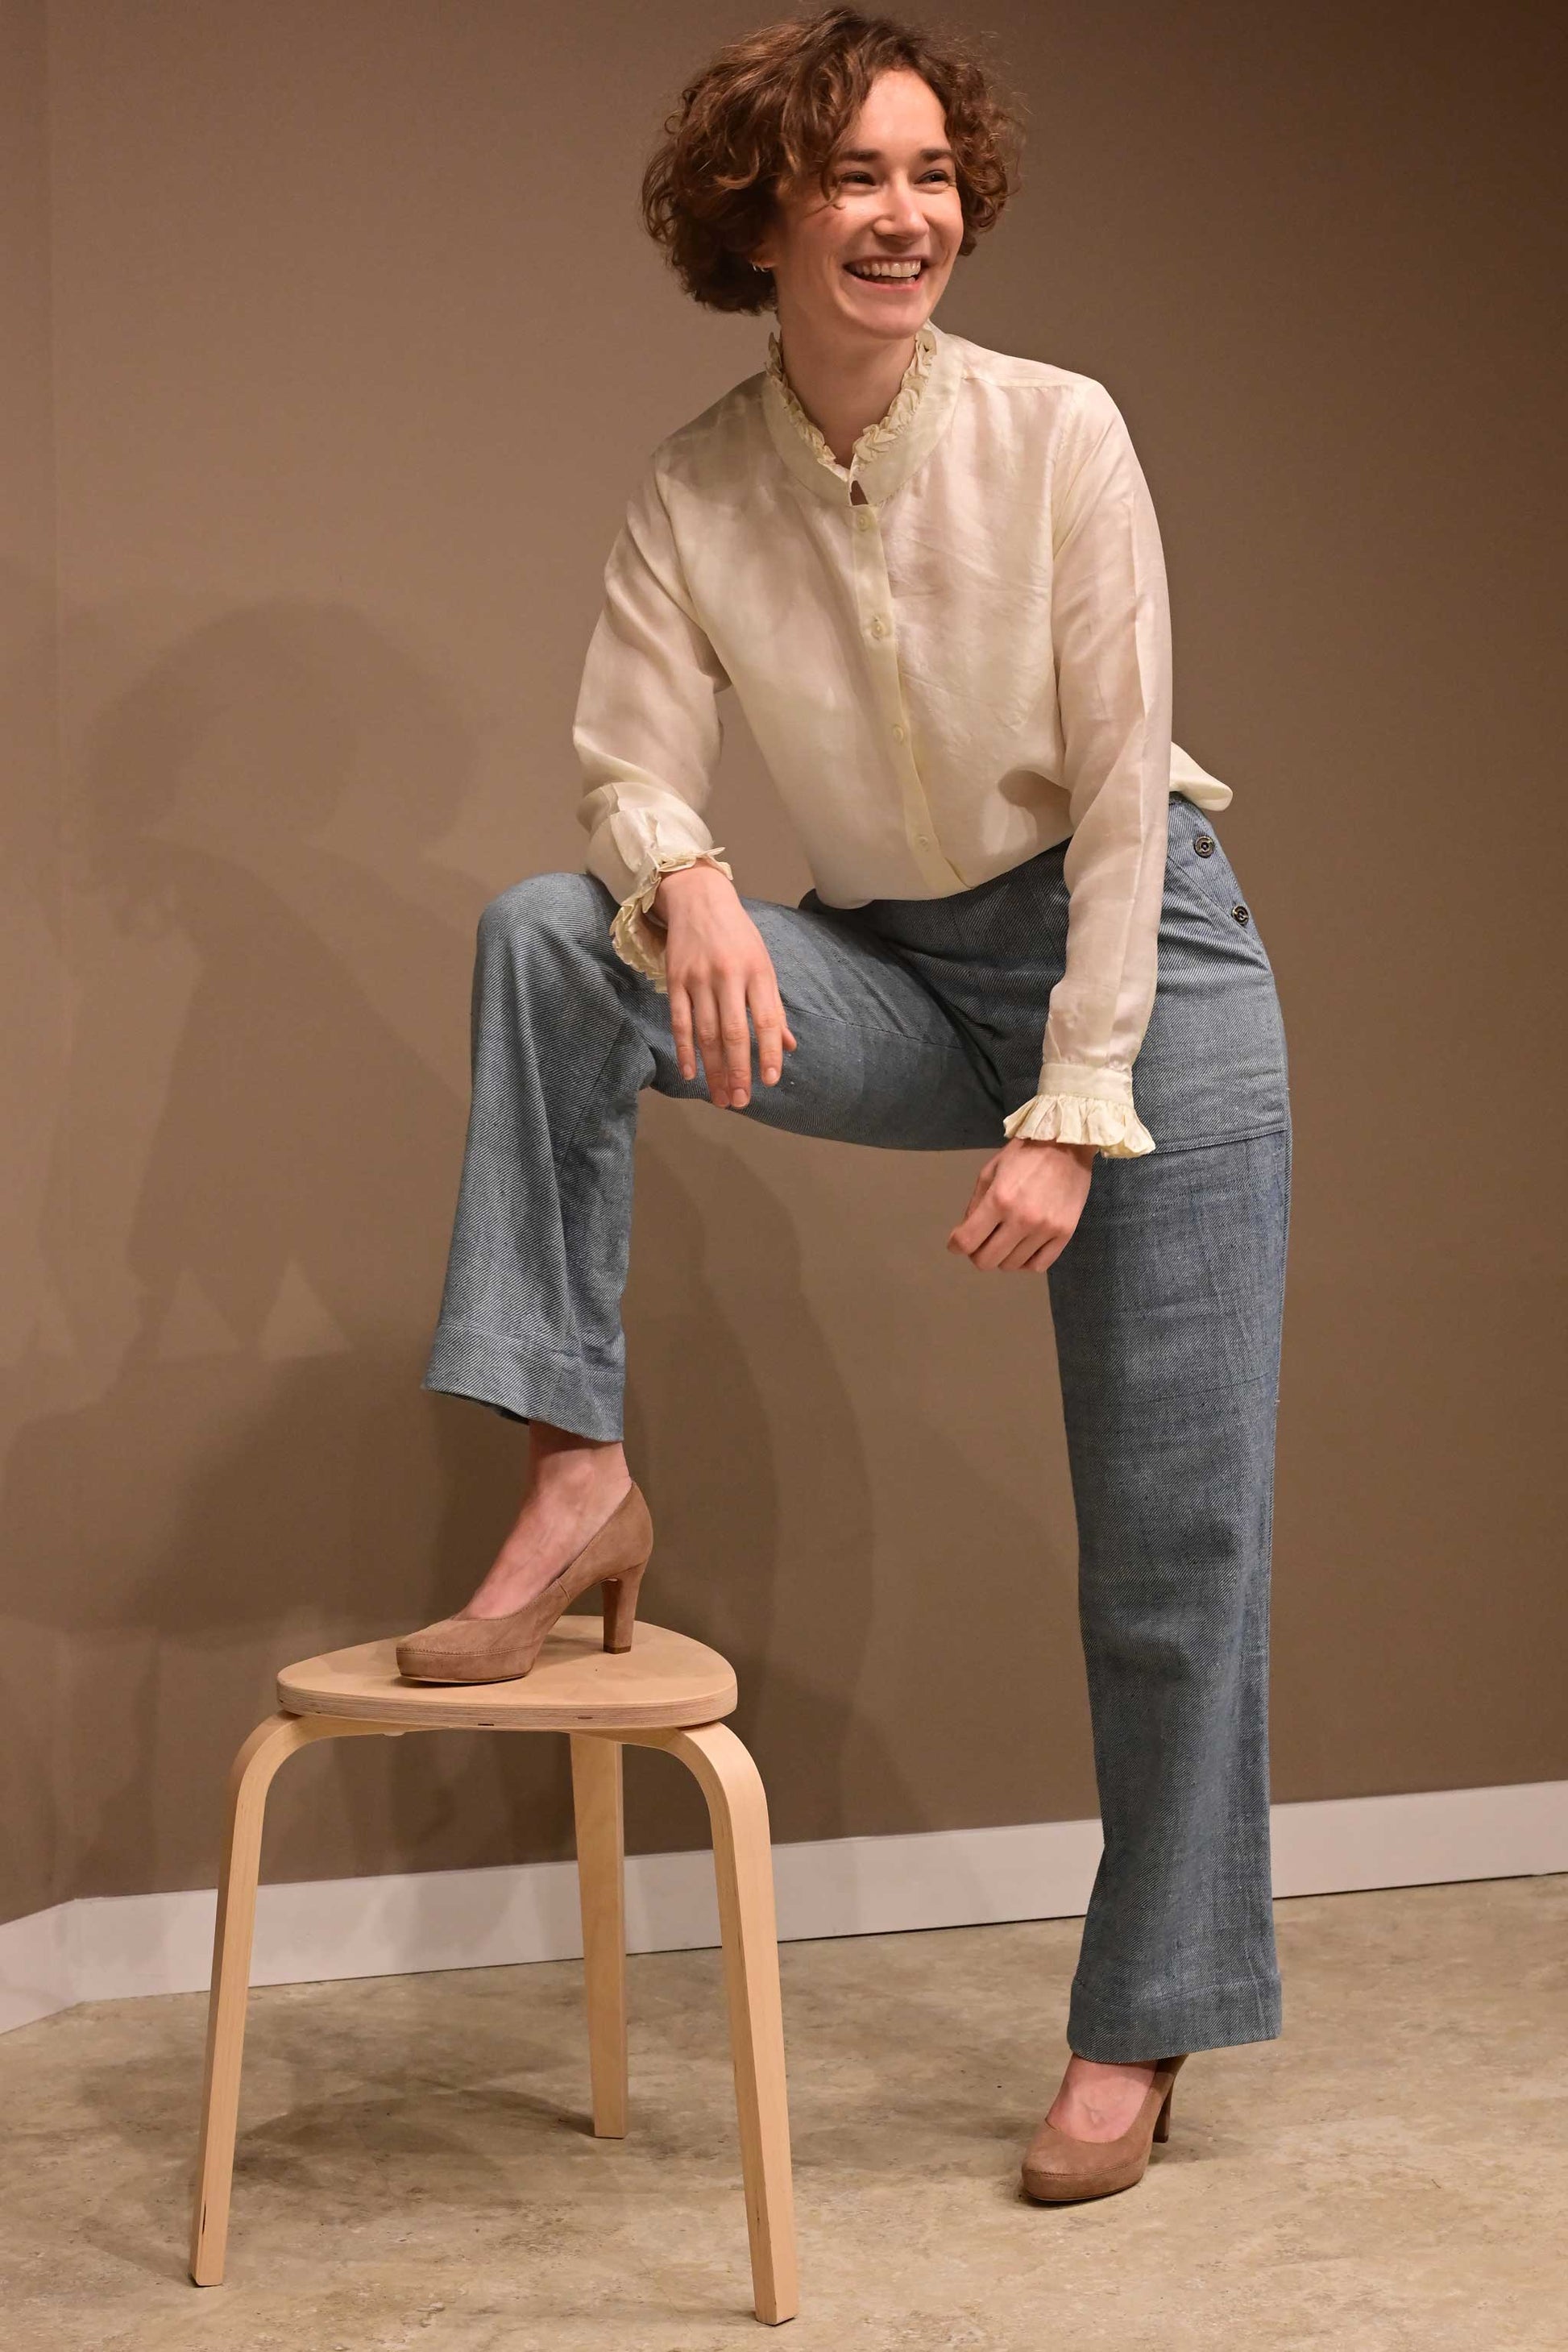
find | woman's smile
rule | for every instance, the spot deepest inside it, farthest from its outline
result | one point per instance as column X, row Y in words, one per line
column 892, row 273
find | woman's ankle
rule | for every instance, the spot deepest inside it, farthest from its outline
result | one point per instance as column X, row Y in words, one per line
column 565, row 1457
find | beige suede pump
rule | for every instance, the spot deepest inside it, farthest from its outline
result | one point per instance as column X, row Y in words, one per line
column 1059, row 2169
column 499, row 1649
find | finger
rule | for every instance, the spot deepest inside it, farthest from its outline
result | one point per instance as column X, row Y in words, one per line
column 681, row 1029
column 1027, row 1251
column 980, row 1216
column 983, row 1180
column 767, row 1012
column 709, row 1040
column 1045, row 1257
column 1008, row 1241
column 768, row 1019
column 737, row 1036
column 974, row 1230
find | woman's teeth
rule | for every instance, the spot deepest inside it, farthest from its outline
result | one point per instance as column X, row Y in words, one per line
column 901, row 271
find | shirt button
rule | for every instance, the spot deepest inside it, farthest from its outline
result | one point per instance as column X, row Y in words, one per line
column 863, row 518
column 923, row 840
column 899, row 730
column 878, row 626
column 1239, row 911
column 1203, row 844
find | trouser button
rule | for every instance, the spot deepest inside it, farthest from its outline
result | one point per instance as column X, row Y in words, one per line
column 1239, row 911
column 1203, row 844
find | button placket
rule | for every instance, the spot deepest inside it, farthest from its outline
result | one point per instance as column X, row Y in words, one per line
column 873, row 606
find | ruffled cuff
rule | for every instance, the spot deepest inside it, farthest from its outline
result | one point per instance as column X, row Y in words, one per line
column 636, row 934
column 1083, row 1106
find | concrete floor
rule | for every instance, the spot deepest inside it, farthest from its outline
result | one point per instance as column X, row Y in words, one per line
column 415, row 2168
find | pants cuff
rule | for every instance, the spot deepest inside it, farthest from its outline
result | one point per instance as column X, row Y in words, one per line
column 1215, row 2019
column 526, row 1380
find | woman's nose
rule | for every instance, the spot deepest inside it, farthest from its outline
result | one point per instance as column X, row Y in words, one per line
column 903, row 213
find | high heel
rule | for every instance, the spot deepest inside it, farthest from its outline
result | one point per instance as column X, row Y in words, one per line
column 1059, row 2169
column 501, row 1649
column 621, row 1607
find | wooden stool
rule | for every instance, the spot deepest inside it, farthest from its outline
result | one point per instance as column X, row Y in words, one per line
column 667, row 1691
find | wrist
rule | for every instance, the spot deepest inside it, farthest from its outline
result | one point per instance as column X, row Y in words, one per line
column 679, row 881
column 1084, row 1153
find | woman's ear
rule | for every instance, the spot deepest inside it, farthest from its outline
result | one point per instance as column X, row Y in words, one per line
column 763, row 254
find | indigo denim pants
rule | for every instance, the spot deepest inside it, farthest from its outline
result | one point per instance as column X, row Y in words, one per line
column 920, row 1023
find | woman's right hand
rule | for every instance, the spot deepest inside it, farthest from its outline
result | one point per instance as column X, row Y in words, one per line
column 717, row 967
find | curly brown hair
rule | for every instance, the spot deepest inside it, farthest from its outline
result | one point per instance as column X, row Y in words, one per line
column 775, row 106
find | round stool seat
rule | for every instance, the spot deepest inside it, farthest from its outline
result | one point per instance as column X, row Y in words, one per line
column 574, row 1684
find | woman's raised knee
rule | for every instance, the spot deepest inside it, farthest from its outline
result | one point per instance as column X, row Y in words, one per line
column 571, row 906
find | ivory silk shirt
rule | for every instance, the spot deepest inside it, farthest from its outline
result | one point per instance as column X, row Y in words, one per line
column 954, row 653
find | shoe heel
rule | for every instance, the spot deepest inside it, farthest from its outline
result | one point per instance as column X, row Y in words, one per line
column 1162, row 2122
column 620, row 1599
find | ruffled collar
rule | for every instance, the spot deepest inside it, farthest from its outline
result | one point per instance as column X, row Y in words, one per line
column 876, row 437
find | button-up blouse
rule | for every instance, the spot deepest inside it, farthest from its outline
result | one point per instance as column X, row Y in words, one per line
column 954, row 653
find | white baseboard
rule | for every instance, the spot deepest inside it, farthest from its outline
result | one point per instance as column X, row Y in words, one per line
column 109, row 1948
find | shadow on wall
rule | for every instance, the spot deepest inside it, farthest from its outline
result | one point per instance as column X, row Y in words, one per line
column 264, row 1124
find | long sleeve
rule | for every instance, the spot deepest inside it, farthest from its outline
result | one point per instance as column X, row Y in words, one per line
column 1111, row 640
column 647, row 730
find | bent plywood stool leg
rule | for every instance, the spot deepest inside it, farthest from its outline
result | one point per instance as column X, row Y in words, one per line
column 250, row 1781
column 598, row 1809
column 742, row 1865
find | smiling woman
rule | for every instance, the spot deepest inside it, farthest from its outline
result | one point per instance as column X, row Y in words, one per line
column 932, row 577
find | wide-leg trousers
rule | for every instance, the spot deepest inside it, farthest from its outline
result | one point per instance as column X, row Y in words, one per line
column 919, row 1024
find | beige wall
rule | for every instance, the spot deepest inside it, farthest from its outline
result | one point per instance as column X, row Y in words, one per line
column 357, row 349
column 35, row 1770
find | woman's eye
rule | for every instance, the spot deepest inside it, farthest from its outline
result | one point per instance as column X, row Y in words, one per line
column 943, row 179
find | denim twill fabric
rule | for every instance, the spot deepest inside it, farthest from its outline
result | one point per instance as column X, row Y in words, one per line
column 919, row 1023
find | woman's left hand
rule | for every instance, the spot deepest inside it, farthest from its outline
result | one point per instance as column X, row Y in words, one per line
column 1025, row 1205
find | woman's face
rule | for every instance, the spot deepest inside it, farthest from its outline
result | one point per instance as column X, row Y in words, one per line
column 895, row 199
